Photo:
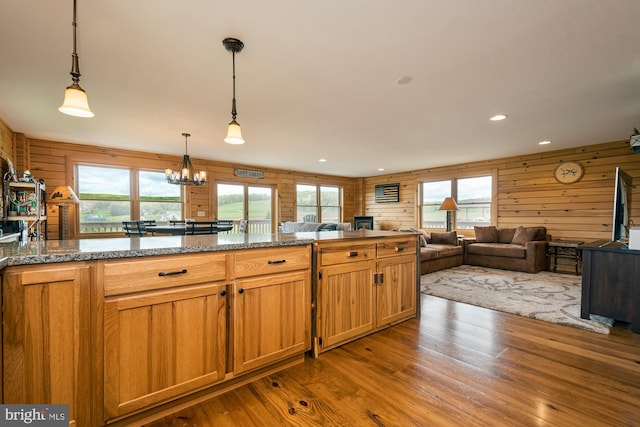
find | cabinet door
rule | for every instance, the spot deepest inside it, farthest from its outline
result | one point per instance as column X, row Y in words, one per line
column 345, row 302
column 272, row 319
column 160, row 345
column 46, row 338
column 396, row 289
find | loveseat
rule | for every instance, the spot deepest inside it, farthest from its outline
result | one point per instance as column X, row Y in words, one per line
column 520, row 249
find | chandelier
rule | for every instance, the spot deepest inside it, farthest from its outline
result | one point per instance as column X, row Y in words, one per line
column 186, row 174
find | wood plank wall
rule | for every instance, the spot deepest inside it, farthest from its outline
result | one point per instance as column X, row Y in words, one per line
column 527, row 192
column 54, row 161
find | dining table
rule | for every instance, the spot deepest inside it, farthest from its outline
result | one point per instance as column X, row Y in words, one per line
column 181, row 229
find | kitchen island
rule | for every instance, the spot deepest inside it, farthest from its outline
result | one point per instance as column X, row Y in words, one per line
column 127, row 329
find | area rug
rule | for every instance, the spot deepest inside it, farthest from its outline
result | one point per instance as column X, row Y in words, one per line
column 551, row 297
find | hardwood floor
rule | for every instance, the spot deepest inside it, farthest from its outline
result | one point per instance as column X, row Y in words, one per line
column 457, row 365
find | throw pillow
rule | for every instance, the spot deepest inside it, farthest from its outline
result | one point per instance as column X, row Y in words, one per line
column 488, row 234
column 450, row 238
column 505, row 235
column 528, row 234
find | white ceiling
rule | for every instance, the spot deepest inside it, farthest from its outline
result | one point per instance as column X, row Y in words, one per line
column 318, row 79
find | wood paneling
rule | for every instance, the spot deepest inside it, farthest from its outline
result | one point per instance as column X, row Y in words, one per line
column 54, row 161
column 527, row 192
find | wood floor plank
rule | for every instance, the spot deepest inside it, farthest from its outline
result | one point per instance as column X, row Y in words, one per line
column 455, row 365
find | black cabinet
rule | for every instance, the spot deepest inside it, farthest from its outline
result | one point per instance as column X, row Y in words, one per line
column 611, row 283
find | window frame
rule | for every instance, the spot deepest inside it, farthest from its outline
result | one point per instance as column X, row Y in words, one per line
column 454, row 193
column 319, row 206
column 134, row 194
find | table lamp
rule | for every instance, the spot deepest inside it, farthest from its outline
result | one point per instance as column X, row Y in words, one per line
column 449, row 205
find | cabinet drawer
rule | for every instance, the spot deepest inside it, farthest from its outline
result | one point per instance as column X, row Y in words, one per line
column 340, row 254
column 396, row 247
column 256, row 262
column 142, row 274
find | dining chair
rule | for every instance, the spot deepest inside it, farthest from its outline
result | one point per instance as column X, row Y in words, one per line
column 201, row 227
column 225, row 222
column 133, row 228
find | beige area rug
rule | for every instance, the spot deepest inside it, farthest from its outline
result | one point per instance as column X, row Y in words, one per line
column 551, row 297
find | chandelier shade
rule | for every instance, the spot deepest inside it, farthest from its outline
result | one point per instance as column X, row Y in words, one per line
column 75, row 98
column 185, row 174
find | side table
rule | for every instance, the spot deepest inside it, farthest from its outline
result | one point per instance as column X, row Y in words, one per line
column 564, row 249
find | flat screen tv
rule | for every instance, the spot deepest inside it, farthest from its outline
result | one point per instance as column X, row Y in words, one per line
column 363, row 223
column 621, row 211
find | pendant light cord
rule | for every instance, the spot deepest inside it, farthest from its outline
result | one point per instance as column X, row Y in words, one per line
column 233, row 100
column 75, row 66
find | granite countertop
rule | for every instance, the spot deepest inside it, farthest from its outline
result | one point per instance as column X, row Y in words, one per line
column 53, row 251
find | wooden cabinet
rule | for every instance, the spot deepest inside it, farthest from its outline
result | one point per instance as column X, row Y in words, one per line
column 363, row 286
column 165, row 343
column 46, row 337
column 611, row 283
column 271, row 306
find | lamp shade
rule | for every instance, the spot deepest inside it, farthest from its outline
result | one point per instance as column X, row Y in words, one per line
column 75, row 102
column 234, row 134
column 63, row 196
column 449, row 204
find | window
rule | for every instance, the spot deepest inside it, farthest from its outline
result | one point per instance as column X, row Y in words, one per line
column 474, row 202
column 318, row 203
column 253, row 203
column 473, row 195
column 433, row 194
column 159, row 200
column 109, row 195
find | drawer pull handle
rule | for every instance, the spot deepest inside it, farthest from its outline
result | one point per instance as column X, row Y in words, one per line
column 352, row 254
column 399, row 249
column 223, row 293
column 241, row 291
column 172, row 273
column 280, row 261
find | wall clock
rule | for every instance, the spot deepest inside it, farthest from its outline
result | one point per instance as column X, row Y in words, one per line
column 569, row 172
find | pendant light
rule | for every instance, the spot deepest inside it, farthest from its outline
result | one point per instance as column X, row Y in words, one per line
column 186, row 174
column 234, row 134
column 75, row 98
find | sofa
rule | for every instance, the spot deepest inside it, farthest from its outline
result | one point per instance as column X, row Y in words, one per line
column 438, row 250
column 297, row 227
column 520, row 249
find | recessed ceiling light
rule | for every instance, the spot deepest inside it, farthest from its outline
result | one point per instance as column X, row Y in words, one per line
column 322, row 160
column 498, row 117
column 404, row 80
column 544, row 142
column 380, row 169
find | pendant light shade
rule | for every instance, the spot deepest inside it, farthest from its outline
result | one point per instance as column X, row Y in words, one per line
column 75, row 98
column 186, row 174
column 234, row 133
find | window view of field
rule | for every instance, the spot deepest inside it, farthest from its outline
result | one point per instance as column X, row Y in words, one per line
column 474, row 202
